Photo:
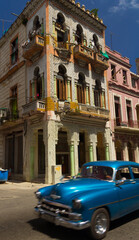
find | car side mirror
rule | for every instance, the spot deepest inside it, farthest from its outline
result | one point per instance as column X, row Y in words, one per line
column 120, row 182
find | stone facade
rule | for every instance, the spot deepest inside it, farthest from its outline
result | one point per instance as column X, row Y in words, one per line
column 62, row 92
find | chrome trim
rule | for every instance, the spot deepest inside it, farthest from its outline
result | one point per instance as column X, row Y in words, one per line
column 54, row 196
column 59, row 221
column 57, row 204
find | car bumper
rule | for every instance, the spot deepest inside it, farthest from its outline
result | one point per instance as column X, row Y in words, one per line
column 57, row 220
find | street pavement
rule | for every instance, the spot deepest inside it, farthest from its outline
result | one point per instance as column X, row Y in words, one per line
column 18, row 221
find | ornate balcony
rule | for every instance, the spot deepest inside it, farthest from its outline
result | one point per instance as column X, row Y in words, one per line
column 72, row 108
column 36, row 106
column 100, row 63
column 33, row 47
column 83, row 54
column 63, row 50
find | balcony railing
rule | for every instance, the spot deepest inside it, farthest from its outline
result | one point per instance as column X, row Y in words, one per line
column 33, row 47
column 63, row 49
column 83, row 53
column 129, row 124
column 100, row 63
column 33, row 107
column 75, row 108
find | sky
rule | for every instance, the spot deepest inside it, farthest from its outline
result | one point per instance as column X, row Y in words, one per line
column 120, row 16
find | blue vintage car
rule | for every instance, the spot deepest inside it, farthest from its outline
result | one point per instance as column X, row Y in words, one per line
column 104, row 191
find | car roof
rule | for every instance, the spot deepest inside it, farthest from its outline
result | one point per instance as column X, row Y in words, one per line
column 113, row 164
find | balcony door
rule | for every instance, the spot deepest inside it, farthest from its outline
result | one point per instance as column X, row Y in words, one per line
column 117, row 110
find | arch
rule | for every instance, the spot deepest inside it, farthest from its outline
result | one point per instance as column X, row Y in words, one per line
column 119, row 150
column 79, row 34
column 60, row 18
column 36, row 71
column 130, row 151
column 62, row 70
column 38, row 82
column 81, row 78
column 61, row 83
column 98, row 93
column 36, row 23
column 96, row 42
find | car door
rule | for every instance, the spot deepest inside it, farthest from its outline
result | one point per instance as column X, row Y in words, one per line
column 135, row 176
column 126, row 191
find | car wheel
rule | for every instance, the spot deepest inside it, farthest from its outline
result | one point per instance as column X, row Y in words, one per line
column 100, row 223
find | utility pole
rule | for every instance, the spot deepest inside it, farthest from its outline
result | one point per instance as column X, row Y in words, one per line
column 3, row 21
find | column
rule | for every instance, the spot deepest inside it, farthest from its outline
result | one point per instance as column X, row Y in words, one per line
column 107, row 151
column 106, row 142
column 136, row 153
column 103, row 99
column 76, row 100
column 92, row 141
column 72, row 159
column 91, row 152
column 55, row 93
column 125, row 152
column 93, row 101
column 49, row 137
column 73, row 141
column 30, row 154
column 68, row 87
column 33, row 154
column 87, row 95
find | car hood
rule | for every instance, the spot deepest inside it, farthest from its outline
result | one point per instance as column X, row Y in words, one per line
column 68, row 190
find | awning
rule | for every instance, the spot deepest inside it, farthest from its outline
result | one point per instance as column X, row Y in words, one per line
column 104, row 54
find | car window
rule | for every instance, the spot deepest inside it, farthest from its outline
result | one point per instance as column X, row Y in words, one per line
column 123, row 174
column 98, row 172
column 135, row 172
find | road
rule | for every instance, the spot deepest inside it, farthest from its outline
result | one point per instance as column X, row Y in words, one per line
column 18, row 222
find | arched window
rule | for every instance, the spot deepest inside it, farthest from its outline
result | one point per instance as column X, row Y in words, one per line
column 97, row 93
column 130, row 152
column 37, row 85
column 79, row 37
column 36, row 23
column 61, row 83
column 81, row 88
column 38, row 80
column 97, row 46
column 62, row 31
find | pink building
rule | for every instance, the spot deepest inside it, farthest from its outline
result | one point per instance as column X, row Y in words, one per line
column 124, row 107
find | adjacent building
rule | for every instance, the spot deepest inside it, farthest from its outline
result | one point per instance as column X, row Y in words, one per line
column 54, row 105
column 124, row 107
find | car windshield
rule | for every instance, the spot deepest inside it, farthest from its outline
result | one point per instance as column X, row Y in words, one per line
column 98, row 172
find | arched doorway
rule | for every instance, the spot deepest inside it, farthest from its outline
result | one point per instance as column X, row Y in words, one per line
column 62, row 153
column 130, row 152
column 119, row 151
column 100, row 147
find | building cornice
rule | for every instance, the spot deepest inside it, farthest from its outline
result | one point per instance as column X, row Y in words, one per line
column 123, row 89
column 79, row 11
column 114, row 58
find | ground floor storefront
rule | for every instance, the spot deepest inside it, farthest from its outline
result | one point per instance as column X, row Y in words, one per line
column 46, row 149
column 127, row 146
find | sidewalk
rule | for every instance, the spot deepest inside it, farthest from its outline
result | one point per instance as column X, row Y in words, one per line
column 21, row 185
